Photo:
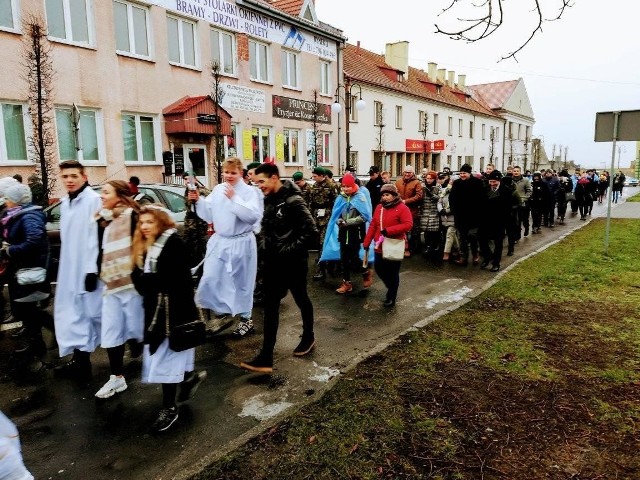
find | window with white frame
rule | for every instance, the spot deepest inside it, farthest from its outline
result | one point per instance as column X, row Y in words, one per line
column 139, row 135
column 398, row 116
column 353, row 111
column 422, row 120
column 70, row 20
column 435, row 123
column 8, row 14
column 261, row 140
column 13, row 146
column 459, row 127
column 450, row 126
column 325, row 78
column 471, row 129
column 79, row 141
column 231, row 144
column 183, row 46
column 132, row 28
column 223, row 51
column 259, row 62
column 291, row 146
column 323, row 149
column 483, row 130
column 377, row 111
column 290, row 69
column 527, row 133
column 519, row 131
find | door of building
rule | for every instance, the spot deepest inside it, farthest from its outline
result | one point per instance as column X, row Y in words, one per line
column 196, row 156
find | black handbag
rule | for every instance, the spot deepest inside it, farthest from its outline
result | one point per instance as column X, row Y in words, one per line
column 185, row 336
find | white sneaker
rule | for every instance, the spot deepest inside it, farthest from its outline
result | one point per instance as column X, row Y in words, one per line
column 113, row 386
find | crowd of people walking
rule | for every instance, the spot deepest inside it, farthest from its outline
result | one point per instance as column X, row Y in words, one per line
column 125, row 276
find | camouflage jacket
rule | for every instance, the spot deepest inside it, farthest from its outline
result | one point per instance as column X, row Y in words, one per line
column 322, row 196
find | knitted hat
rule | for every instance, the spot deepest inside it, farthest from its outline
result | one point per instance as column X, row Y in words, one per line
column 297, row 176
column 408, row 168
column 389, row 188
column 18, row 193
column 466, row 168
column 6, row 182
column 348, row 180
column 320, row 171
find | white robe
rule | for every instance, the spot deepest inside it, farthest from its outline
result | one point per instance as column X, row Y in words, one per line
column 11, row 464
column 231, row 261
column 77, row 312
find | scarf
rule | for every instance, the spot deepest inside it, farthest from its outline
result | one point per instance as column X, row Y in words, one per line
column 151, row 262
column 396, row 200
column 116, row 259
column 10, row 213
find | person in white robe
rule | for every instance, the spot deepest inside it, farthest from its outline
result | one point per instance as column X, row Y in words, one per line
column 78, row 301
column 230, row 264
column 11, row 463
column 122, row 311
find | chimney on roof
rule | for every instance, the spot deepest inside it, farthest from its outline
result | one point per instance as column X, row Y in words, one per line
column 452, row 78
column 462, row 82
column 358, row 45
column 441, row 74
column 432, row 68
column 397, row 56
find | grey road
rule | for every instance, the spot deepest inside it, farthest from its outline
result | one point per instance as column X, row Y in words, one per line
column 67, row 434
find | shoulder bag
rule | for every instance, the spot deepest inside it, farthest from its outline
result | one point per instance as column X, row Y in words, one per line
column 185, row 336
column 392, row 248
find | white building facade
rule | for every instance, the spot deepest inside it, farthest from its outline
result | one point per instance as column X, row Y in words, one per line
column 390, row 131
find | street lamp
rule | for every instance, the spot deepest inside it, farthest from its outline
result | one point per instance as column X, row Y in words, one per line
column 337, row 108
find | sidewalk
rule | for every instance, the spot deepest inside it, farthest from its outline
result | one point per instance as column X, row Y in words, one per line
column 66, row 433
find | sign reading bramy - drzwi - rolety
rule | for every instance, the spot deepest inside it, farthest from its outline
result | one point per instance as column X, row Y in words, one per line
column 230, row 16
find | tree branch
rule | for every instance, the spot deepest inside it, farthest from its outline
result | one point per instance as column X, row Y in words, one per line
column 492, row 18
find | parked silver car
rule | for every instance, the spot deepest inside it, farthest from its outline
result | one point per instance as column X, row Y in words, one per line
column 171, row 196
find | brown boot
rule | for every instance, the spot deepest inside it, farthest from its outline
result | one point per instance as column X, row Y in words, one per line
column 367, row 279
column 346, row 287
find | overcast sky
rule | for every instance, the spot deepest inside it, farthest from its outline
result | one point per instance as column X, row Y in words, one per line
column 587, row 62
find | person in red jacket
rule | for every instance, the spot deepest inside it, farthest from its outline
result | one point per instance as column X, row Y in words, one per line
column 393, row 219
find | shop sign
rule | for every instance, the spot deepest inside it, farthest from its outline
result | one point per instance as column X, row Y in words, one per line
column 302, row 110
column 247, row 99
column 417, row 145
column 438, row 145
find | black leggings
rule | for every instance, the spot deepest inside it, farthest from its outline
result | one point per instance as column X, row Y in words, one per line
column 389, row 273
column 116, row 359
column 349, row 258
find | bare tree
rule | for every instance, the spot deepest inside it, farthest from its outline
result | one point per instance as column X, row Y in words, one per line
column 490, row 16
column 380, row 136
column 536, row 154
column 492, row 144
column 527, row 140
column 39, row 72
column 217, row 93
column 424, row 128
column 566, row 150
column 312, row 153
column 552, row 162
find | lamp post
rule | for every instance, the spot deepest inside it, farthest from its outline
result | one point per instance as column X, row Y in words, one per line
column 337, row 108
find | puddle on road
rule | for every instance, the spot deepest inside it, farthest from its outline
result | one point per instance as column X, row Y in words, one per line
column 256, row 407
column 449, row 297
column 324, row 374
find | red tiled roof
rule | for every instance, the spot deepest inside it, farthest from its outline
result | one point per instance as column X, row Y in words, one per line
column 184, row 104
column 495, row 94
column 291, row 7
column 367, row 67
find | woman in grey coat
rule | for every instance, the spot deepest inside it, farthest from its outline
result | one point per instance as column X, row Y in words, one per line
column 430, row 218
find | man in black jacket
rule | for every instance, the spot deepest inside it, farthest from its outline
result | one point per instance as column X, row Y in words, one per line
column 287, row 231
column 374, row 185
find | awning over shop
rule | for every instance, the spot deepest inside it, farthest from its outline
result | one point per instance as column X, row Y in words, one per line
column 196, row 115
